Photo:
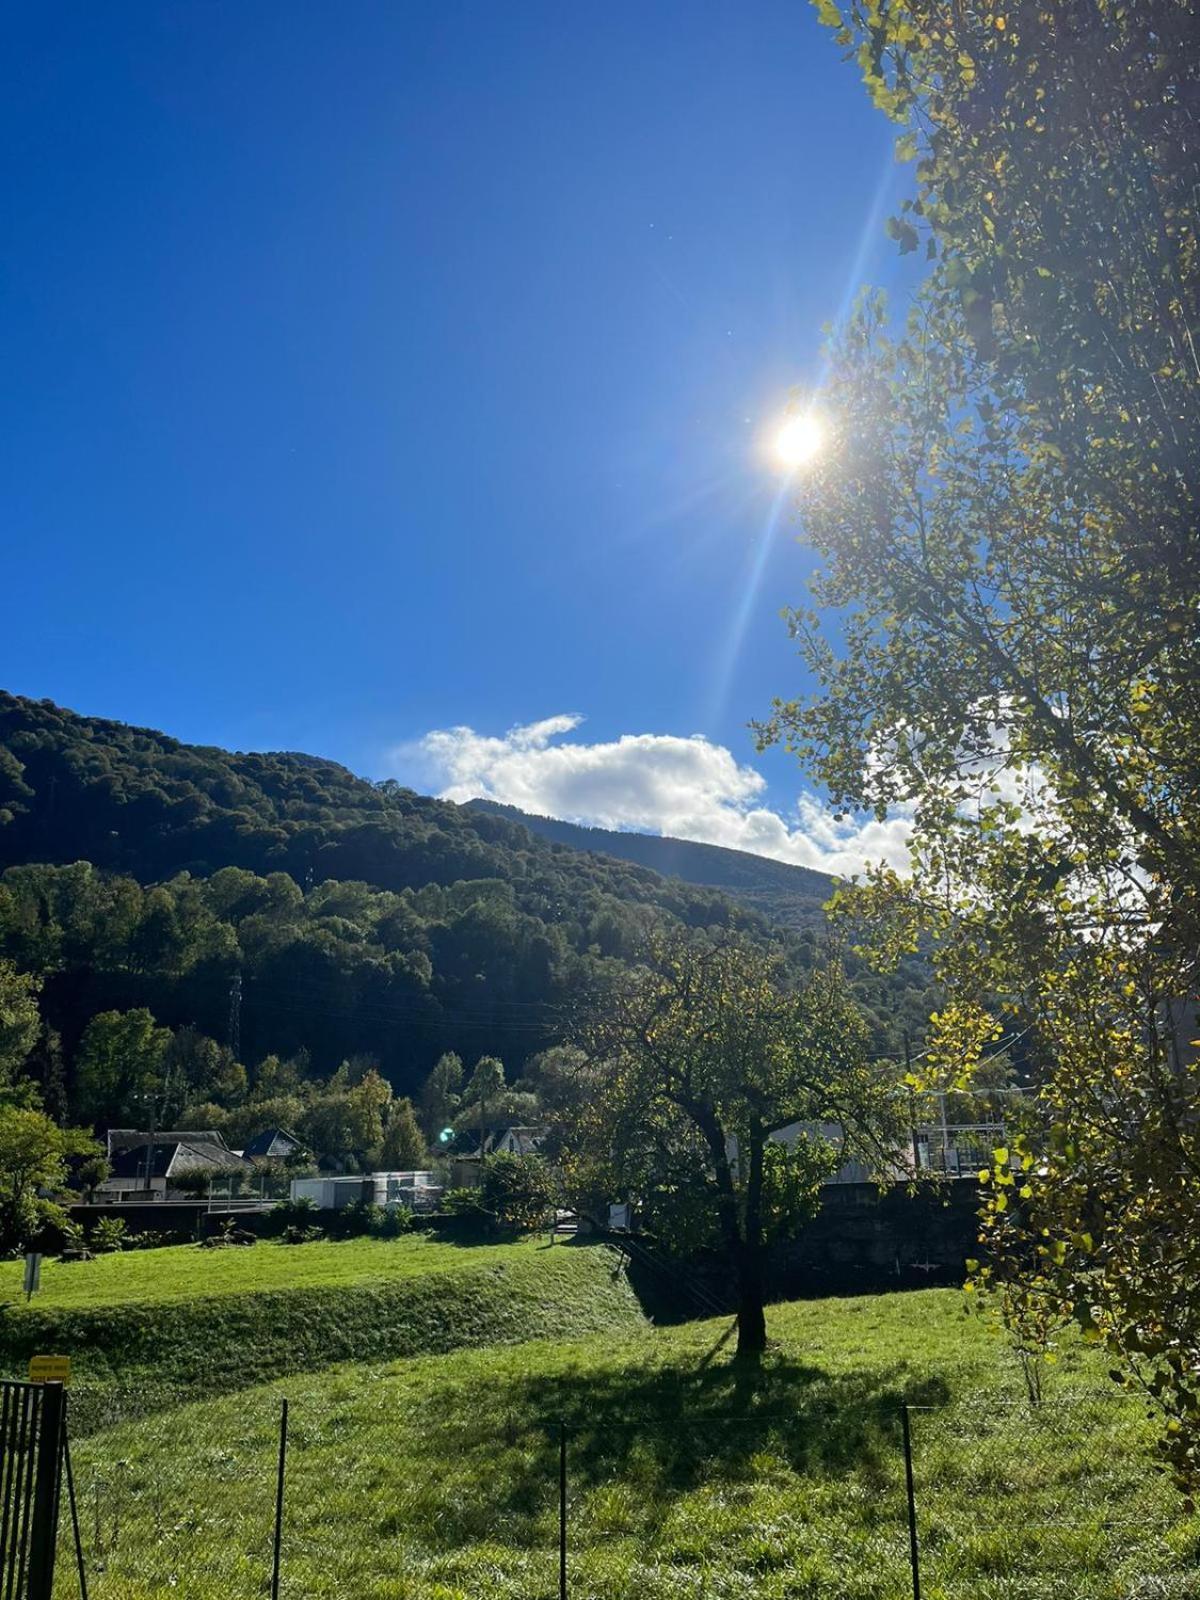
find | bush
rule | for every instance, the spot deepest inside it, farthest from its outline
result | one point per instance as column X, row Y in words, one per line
column 287, row 1214
column 295, row 1221
column 109, row 1234
column 462, row 1215
column 519, row 1192
column 72, row 1236
column 155, row 1239
column 395, row 1221
column 355, row 1221
column 294, row 1234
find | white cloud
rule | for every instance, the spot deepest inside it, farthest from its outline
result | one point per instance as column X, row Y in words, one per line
column 686, row 788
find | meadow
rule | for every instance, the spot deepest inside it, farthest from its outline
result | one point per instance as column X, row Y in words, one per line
column 183, row 1272
column 436, row 1477
column 158, row 1326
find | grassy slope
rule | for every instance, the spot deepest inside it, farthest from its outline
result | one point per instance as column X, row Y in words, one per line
column 184, row 1272
column 435, row 1479
column 268, row 1310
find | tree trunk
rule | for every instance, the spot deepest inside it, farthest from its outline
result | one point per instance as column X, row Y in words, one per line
column 751, row 1316
column 743, row 1233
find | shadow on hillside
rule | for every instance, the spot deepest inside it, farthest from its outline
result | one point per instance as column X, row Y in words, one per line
column 659, row 1287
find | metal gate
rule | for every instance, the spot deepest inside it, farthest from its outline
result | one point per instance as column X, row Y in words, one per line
column 31, row 1440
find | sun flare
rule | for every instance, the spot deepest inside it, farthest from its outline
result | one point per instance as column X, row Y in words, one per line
column 799, row 440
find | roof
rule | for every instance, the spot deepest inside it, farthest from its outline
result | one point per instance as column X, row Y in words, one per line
column 272, row 1144
column 171, row 1158
column 134, row 1138
column 524, row 1141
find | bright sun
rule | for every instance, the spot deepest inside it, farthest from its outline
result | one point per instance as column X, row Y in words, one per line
column 799, row 440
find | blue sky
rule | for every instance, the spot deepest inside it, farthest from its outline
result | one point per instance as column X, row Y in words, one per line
column 377, row 370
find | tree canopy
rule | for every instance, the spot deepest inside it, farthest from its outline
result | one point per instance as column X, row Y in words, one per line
column 696, row 1065
column 1006, row 524
column 33, row 1163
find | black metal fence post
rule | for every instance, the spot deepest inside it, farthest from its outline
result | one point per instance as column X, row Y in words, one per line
column 43, row 1537
column 562, row 1511
column 80, row 1564
column 914, row 1546
column 275, row 1557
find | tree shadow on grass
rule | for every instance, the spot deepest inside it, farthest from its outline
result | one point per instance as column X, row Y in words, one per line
column 723, row 1414
column 658, row 1435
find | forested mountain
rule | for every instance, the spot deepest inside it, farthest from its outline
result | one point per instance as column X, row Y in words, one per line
column 283, row 907
column 787, row 895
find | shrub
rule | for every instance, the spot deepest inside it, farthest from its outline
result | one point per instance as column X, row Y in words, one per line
column 108, row 1234
column 287, row 1214
column 463, row 1215
column 394, row 1221
column 355, row 1220
column 154, row 1239
column 72, row 1236
column 294, row 1234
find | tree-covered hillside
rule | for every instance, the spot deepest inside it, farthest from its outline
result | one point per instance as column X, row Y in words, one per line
column 284, row 908
column 788, row 895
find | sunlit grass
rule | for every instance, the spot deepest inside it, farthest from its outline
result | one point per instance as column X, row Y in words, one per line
column 436, row 1478
column 185, row 1272
column 374, row 1303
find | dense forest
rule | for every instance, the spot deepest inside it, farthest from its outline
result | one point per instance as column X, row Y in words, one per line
column 787, row 895
column 284, row 909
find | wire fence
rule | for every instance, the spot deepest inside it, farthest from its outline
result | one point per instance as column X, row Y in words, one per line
column 389, row 1494
column 166, row 1505
column 1059, row 1499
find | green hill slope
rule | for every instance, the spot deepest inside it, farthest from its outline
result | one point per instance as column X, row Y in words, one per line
column 360, row 919
column 789, row 896
column 131, row 800
column 178, row 1321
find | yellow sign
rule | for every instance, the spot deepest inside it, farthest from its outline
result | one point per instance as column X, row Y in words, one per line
column 49, row 1369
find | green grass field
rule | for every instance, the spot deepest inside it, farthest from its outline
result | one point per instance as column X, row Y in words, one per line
column 183, row 1322
column 147, row 1277
column 435, row 1478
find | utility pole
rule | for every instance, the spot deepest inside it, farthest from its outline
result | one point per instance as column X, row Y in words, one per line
column 235, row 1016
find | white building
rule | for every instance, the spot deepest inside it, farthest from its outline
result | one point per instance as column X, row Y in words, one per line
column 415, row 1191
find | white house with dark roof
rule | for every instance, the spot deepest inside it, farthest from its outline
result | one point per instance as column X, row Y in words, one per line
column 157, row 1167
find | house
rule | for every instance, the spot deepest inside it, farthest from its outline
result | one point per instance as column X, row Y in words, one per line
column 274, row 1144
column 162, row 1167
column 466, row 1167
column 502, row 1137
column 517, row 1141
